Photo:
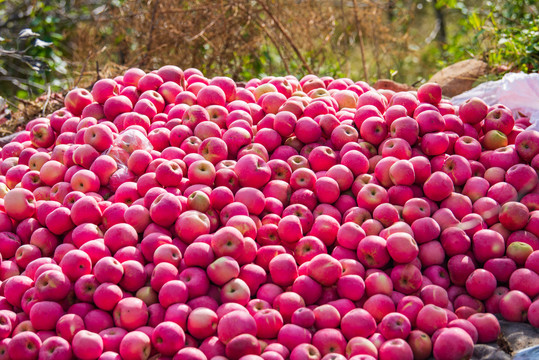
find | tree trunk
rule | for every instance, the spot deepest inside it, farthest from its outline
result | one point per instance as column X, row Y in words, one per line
column 440, row 18
column 391, row 10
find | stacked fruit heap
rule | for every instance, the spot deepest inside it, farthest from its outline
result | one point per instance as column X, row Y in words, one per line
column 168, row 215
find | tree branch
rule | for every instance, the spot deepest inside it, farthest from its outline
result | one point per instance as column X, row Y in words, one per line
column 286, row 35
column 275, row 43
column 150, row 35
column 361, row 44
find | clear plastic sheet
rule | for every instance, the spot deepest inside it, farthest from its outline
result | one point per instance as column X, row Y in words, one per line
column 127, row 142
column 518, row 91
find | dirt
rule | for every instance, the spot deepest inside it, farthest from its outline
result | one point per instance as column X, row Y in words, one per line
column 28, row 110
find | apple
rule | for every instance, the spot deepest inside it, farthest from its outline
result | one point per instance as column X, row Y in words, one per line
column 468, row 147
column 481, row 284
column 76, row 100
column 24, row 345
column 532, row 314
column 52, row 285
column 406, row 278
column 487, row 326
column 487, row 244
column 305, row 351
column 252, row 171
column 522, row 177
column 165, row 209
column 514, row 216
column 527, row 276
column 395, row 348
column 438, row 186
column 55, row 347
column 430, row 318
column 19, row 204
column 99, row 136
column 420, row 344
column 130, row 313
column 526, row 144
column 429, row 93
column 395, row 325
column 453, row 343
column 374, row 130
column 405, row 128
column 499, row 119
column 135, row 344
column 473, row 110
column 514, row 306
column 87, row 345
column 235, row 290
column 402, row 247
column 430, row 121
column 167, row 338
column 104, row 89
column 235, row 323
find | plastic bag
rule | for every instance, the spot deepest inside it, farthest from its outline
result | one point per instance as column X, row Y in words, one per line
column 518, row 91
column 530, row 353
column 127, row 142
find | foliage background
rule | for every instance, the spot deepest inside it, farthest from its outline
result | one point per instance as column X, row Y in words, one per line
column 74, row 42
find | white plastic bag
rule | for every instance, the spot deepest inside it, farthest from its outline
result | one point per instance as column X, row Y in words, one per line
column 517, row 91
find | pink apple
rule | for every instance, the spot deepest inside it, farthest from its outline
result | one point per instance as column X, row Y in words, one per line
column 19, row 204
column 453, row 343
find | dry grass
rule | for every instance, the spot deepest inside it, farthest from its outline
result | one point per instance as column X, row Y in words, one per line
column 239, row 38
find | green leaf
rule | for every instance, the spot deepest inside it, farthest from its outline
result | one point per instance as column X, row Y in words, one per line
column 446, row 3
column 475, row 21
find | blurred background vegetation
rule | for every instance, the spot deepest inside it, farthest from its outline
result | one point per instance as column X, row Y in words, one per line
column 57, row 44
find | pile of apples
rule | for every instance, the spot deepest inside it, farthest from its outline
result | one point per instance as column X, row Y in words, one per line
column 166, row 215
